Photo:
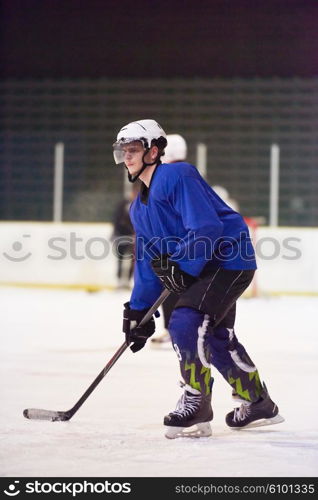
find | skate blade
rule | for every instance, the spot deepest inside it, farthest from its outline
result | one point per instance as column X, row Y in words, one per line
column 164, row 340
column 163, row 346
column 195, row 431
column 261, row 423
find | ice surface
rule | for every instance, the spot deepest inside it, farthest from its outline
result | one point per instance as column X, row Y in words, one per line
column 53, row 345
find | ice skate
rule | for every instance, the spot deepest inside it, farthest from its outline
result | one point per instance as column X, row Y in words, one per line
column 263, row 412
column 192, row 416
column 123, row 284
column 162, row 340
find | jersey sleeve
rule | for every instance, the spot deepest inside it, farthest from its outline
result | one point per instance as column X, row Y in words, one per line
column 201, row 221
column 147, row 286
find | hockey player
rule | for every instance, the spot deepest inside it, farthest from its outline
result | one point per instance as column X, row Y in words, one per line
column 189, row 241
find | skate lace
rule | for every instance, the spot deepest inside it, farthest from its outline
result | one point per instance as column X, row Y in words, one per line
column 187, row 405
column 242, row 412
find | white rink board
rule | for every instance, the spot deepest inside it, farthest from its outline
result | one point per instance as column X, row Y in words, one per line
column 82, row 255
column 57, row 254
column 287, row 260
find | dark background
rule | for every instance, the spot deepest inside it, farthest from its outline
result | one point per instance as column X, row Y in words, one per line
column 236, row 75
column 95, row 38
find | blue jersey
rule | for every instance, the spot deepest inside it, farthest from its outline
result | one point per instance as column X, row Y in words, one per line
column 182, row 216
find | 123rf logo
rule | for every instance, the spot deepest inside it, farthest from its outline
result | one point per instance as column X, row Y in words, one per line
column 73, row 488
column 12, row 490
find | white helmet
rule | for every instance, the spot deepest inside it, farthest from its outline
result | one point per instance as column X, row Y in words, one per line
column 221, row 192
column 176, row 148
column 145, row 131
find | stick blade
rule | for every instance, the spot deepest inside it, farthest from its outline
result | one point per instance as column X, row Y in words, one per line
column 53, row 416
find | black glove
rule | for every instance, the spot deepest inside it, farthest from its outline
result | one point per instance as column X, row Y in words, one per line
column 134, row 333
column 170, row 274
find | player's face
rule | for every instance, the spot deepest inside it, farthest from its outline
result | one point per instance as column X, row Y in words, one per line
column 133, row 153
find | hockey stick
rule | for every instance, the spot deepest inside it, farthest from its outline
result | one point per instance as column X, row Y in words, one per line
column 54, row 416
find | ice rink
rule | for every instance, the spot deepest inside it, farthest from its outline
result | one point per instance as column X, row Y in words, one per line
column 53, row 345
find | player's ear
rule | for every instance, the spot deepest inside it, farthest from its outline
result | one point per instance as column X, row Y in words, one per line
column 154, row 153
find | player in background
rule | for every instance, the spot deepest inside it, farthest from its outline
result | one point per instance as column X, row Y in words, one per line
column 189, row 241
column 123, row 237
column 224, row 194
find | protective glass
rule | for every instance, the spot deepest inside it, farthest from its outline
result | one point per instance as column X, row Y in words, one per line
column 118, row 148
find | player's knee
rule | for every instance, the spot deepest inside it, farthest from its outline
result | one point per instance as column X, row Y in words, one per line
column 183, row 326
column 218, row 340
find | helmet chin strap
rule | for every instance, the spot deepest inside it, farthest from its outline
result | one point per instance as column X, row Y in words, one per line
column 144, row 166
